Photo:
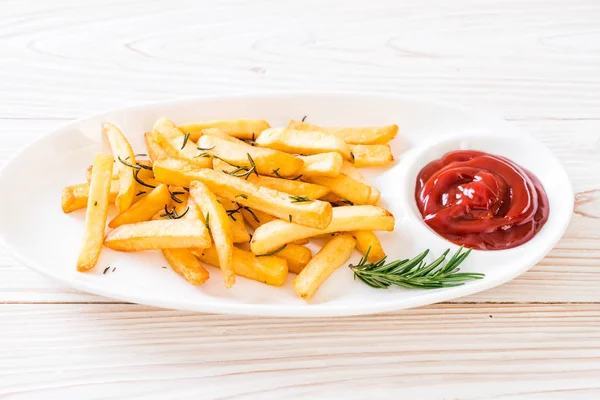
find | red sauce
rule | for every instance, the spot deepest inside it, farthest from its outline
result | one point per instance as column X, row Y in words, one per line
column 480, row 200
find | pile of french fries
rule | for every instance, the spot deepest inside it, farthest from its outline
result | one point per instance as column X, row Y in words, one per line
column 203, row 186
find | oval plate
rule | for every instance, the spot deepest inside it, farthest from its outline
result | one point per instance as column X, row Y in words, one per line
column 35, row 229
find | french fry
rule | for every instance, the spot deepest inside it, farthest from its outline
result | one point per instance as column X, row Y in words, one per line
column 355, row 174
column 96, row 213
column 75, row 197
column 367, row 155
column 345, row 187
column 267, row 161
column 297, row 256
column 144, row 209
column 175, row 144
column 324, row 164
column 187, row 265
column 154, row 150
column 275, row 234
column 303, row 142
column 271, row 270
column 122, row 154
column 293, row 187
column 239, row 128
column 219, row 225
column 215, row 132
column 239, row 233
column 353, row 135
column 256, row 218
column 310, row 213
column 368, row 241
column 158, row 235
column 332, row 256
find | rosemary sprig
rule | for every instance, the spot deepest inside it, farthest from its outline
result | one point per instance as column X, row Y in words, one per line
column 173, row 213
column 141, row 155
column 206, row 148
column 243, row 196
column 304, row 118
column 290, row 215
column 233, row 211
column 134, row 166
column 141, row 192
column 207, row 221
column 185, row 140
column 252, row 213
column 175, row 198
column 242, row 171
column 141, row 182
column 272, row 252
column 300, row 199
column 277, row 174
column 414, row 273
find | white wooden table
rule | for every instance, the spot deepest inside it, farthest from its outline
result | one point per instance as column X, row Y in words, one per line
column 537, row 62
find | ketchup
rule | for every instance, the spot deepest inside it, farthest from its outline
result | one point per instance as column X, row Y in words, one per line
column 480, row 200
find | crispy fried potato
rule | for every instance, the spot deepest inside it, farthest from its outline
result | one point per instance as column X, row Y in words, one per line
column 158, row 235
column 187, row 265
column 219, row 225
column 144, row 209
column 332, row 256
column 267, row 161
column 177, row 145
column 355, row 174
column 367, row 155
column 352, row 135
column 297, row 256
column 96, row 213
column 75, row 197
column 122, row 154
column 368, row 241
column 154, row 150
column 293, row 187
column 178, row 172
column 345, row 187
column 257, row 218
column 324, row 164
column 303, row 142
column 271, row 270
column 238, row 228
column 275, row 234
column 239, row 128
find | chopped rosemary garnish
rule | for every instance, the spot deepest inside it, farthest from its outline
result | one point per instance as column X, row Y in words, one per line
column 95, row 203
column 272, row 252
column 138, row 180
column 174, row 197
column 233, row 211
column 414, row 273
column 173, row 213
column 241, row 171
column 243, row 196
column 277, row 174
column 203, row 155
column 205, row 148
column 113, row 270
column 290, row 215
column 344, row 201
column 106, row 270
column 300, row 199
column 304, row 118
column 141, row 192
column 134, row 166
column 252, row 213
column 186, row 137
column 207, row 221
column 141, row 155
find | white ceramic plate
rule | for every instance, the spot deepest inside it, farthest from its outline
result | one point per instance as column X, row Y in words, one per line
column 38, row 233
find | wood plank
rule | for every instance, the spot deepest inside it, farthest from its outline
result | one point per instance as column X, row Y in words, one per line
column 446, row 351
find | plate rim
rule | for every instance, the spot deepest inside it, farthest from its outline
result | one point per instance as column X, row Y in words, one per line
column 290, row 310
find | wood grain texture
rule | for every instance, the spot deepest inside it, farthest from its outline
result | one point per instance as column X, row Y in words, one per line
column 535, row 62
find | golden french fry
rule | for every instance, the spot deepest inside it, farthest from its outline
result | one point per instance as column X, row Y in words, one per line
column 324, row 164
column 256, row 218
column 355, row 174
column 145, row 208
column 144, row 173
column 275, row 234
column 177, row 145
column 332, row 256
column 303, row 142
column 215, row 132
column 96, row 213
column 75, row 197
column 345, row 187
column 219, row 225
column 293, row 187
column 266, row 161
column 310, row 213
column 187, row 265
column 297, row 256
column 367, row 155
column 368, row 241
column 154, row 150
column 158, row 235
column 271, row 270
column 123, row 154
column 238, row 228
column 239, row 128
column 352, row 135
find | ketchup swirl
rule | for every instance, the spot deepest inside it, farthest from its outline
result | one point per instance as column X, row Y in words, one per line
column 480, row 200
